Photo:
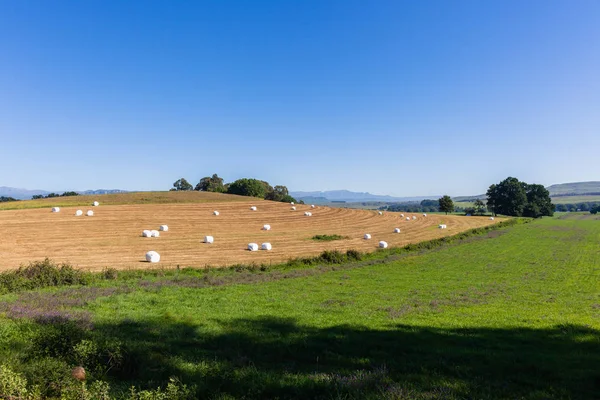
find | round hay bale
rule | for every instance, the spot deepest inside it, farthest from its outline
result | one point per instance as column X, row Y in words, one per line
column 308, row 214
column 152, row 257
column 424, row 215
column 209, row 239
column 95, row 204
column 491, row 218
column 380, row 213
column 78, row 213
column 292, row 203
column 383, row 245
column 293, row 208
column 402, row 215
column 266, row 246
column 397, row 230
column 408, row 218
column 367, row 236
column 266, row 227
column 146, row 233
column 55, row 209
column 414, row 217
column 155, row 233
column 442, row 226
column 312, row 206
column 253, row 208
column 89, row 213
column 164, row 228
column 215, row 213
column 252, row 247
column 78, row 373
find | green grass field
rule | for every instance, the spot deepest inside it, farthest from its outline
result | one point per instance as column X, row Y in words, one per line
column 512, row 313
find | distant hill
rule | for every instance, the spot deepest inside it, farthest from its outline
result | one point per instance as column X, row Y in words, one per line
column 591, row 188
column 348, row 196
column 20, row 194
column 574, row 188
column 26, row 194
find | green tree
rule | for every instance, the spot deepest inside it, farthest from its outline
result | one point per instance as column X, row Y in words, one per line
column 508, row 197
column 561, row 208
column 446, row 204
column 594, row 210
column 280, row 193
column 248, row 187
column 479, row 207
column 211, row 184
column 66, row 194
column 182, row 185
column 538, row 201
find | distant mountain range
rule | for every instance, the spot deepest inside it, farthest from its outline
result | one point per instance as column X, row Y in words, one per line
column 26, row 194
column 351, row 197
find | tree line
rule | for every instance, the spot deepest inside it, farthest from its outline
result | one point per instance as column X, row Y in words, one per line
column 243, row 187
column 51, row 195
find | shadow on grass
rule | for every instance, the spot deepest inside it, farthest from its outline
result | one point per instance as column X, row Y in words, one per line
column 277, row 358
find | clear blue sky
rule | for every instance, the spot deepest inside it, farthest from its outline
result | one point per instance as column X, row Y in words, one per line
column 392, row 97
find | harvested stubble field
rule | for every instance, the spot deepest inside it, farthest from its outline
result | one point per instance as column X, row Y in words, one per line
column 112, row 237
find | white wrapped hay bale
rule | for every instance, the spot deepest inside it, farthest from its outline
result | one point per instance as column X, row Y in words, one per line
column 215, row 213
column 408, row 218
column 367, row 236
column 383, row 245
column 380, row 213
column 292, row 203
column 95, row 204
column 491, row 218
column 397, row 230
column 209, row 239
column 152, row 257
column 266, row 246
column 252, row 247
column 293, row 208
column 312, row 206
column 78, row 213
column 308, row 214
column 55, row 209
column 414, row 217
column 402, row 215
column 424, row 215
column 163, row 228
column 253, row 208
column 146, row 233
column 442, row 226
column 266, row 227
column 155, row 233
column 90, row 213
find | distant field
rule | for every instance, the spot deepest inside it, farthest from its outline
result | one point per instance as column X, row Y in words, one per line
column 112, row 237
column 125, row 198
column 575, row 199
column 509, row 314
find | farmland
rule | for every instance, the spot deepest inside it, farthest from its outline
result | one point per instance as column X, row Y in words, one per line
column 509, row 313
column 112, row 237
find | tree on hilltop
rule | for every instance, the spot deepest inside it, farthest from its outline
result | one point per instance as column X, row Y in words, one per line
column 248, row 187
column 182, row 185
column 446, row 204
column 211, row 184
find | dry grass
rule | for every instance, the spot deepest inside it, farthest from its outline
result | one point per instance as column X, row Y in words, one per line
column 125, row 198
column 112, row 238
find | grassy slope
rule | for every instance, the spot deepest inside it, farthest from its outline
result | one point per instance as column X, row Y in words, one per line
column 575, row 199
column 574, row 187
column 512, row 315
column 125, row 198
